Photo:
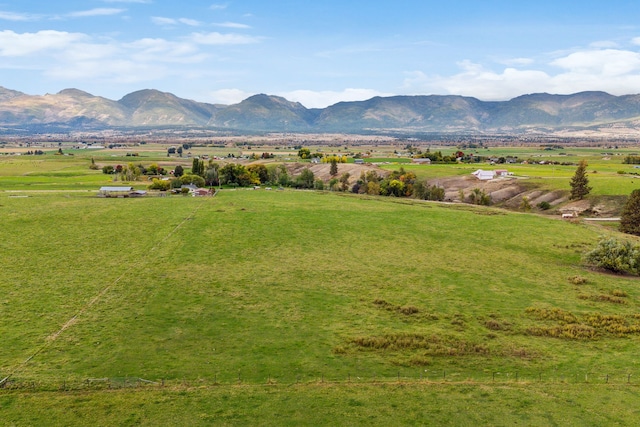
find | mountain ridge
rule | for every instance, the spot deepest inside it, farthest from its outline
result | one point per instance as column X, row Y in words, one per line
column 539, row 112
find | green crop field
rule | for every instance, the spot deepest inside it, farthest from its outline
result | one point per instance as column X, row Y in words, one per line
column 302, row 308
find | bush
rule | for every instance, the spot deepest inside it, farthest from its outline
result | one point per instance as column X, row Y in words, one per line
column 618, row 257
column 544, row 205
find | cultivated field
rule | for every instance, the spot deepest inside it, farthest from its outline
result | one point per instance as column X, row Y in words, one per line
column 304, row 308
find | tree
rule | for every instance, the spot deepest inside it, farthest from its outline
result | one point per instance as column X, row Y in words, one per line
column 333, row 170
column 630, row 216
column 305, row 179
column 580, row 183
column 178, row 171
column 211, row 175
column 344, row 181
column 304, row 153
column 197, row 167
column 196, row 180
column 260, row 171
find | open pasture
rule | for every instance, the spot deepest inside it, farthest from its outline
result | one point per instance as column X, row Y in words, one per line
column 257, row 287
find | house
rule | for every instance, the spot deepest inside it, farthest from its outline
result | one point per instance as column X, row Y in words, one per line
column 501, row 172
column 114, row 191
column 483, row 175
column 359, row 161
column 421, row 161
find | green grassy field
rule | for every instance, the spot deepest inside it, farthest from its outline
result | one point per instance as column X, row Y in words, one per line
column 298, row 287
column 293, row 307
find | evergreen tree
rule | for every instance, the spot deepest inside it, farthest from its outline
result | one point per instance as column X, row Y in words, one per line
column 580, row 183
column 630, row 217
column 333, row 171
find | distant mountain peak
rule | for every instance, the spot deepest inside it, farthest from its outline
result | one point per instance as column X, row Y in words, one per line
column 75, row 92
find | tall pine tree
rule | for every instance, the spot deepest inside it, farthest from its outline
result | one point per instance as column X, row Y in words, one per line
column 580, row 183
column 630, row 216
column 333, row 170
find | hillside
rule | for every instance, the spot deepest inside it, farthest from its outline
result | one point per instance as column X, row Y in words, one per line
column 535, row 113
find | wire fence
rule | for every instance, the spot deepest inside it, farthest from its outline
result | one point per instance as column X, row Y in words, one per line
column 402, row 378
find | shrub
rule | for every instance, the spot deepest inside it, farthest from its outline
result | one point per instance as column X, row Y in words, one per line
column 612, row 255
column 544, row 205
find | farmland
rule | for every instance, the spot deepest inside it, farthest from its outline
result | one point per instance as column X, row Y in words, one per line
column 302, row 307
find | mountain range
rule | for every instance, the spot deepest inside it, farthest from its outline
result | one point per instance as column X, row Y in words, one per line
column 77, row 110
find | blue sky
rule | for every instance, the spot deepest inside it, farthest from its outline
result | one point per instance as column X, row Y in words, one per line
column 323, row 52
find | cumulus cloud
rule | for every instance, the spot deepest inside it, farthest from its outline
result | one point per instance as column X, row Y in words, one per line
column 616, row 71
column 604, row 63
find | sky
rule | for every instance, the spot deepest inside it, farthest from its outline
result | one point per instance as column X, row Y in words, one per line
column 322, row 52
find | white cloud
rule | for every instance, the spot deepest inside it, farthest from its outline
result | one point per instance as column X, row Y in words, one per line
column 159, row 50
column 190, row 22
column 611, row 70
column 159, row 20
column 232, row 25
column 218, row 6
column 15, row 45
column 129, row 1
column 517, row 62
column 12, row 16
column 223, row 39
column 170, row 22
column 604, row 63
column 96, row 12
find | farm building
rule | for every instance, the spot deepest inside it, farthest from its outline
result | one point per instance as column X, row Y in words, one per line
column 421, row 161
column 483, row 175
column 115, row 191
